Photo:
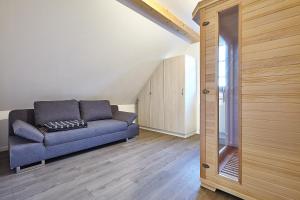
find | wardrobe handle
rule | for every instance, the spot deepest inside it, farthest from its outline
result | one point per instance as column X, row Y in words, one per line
column 182, row 91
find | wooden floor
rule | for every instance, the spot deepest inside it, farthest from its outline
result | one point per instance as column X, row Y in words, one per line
column 153, row 166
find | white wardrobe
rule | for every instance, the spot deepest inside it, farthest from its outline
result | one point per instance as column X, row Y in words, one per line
column 167, row 103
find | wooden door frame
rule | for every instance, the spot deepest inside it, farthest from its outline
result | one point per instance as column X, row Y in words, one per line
column 202, row 96
column 203, row 86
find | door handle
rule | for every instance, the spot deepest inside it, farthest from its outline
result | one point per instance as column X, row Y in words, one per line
column 205, row 91
column 204, row 165
column 182, row 91
column 205, row 23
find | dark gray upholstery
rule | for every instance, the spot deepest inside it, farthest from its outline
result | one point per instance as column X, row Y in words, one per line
column 95, row 110
column 61, row 137
column 107, row 126
column 24, row 151
column 49, row 111
column 66, row 148
column 125, row 116
column 133, row 130
column 27, row 131
column 114, row 108
column 95, row 128
column 26, row 115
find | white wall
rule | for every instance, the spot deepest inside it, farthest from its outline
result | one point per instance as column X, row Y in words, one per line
column 76, row 49
column 3, row 130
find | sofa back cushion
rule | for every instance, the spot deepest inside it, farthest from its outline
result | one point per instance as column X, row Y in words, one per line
column 95, row 110
column 49, row 111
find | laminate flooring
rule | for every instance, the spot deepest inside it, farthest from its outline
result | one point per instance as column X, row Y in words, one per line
column 151, row 166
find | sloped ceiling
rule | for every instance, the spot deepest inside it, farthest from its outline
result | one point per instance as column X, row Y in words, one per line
column 182, row 9
column 64, row 49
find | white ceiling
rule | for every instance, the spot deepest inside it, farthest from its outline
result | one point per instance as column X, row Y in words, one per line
column 64, row 49
column 182, row 9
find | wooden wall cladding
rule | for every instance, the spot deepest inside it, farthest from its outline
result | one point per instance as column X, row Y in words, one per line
column 270, row 93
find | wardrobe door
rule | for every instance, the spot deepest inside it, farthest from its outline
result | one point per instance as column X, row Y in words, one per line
column 174, row 94
column 157, row 98
column 190, row 94
column 144, row 106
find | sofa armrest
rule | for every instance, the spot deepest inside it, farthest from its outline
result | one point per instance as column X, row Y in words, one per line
column 125, row 116
column 27, row 131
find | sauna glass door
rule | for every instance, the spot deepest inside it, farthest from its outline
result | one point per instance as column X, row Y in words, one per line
column 228, row 87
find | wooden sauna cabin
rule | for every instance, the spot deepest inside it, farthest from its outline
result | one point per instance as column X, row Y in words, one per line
column 250, row 97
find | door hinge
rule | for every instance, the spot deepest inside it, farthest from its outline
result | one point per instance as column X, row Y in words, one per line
column 205, row 91
column 205, row 23
column 204, row 165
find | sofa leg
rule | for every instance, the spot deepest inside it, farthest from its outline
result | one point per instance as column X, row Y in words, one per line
column 130, row 139
column 19, row 170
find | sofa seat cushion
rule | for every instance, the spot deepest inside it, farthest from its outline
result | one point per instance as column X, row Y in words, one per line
column 102, row 127
column 95, row 128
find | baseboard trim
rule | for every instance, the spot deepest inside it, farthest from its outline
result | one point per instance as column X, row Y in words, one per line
column 3, row 148
column 168, row 133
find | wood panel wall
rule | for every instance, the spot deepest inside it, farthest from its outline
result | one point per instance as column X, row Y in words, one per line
column 270, row 93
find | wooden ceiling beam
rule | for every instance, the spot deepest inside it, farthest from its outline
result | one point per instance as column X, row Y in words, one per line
column 159, row 14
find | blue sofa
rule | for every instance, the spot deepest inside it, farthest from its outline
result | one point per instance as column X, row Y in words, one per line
column 28, row 145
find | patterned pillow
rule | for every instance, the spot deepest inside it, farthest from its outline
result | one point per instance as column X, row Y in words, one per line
column 63, row 125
